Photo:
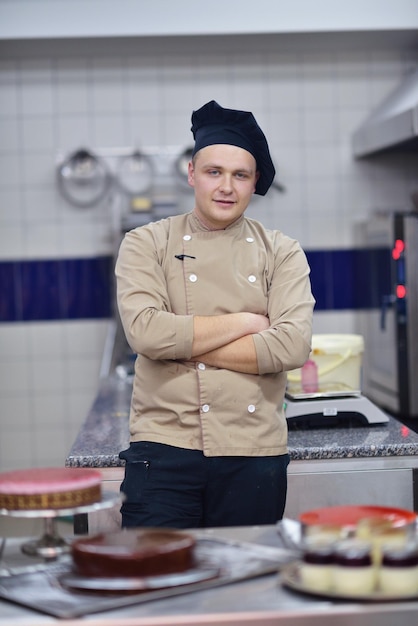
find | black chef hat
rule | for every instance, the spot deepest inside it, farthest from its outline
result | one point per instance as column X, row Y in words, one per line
column 212, row 124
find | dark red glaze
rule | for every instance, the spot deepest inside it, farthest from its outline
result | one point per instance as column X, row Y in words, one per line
column 353, row 554
column 405, row 556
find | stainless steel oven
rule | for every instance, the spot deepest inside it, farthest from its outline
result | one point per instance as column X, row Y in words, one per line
column 390, row 325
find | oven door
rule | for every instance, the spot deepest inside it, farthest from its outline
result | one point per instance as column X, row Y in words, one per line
column 408, row 347
column 381, row 370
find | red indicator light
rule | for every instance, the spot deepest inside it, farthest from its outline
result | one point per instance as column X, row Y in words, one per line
column 398, row 248
column 400, row 291
column 405, row 431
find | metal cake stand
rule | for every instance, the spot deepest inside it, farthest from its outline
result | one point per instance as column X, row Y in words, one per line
column 50, row 545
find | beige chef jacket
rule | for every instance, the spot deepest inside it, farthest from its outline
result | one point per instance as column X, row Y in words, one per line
column 170, row 270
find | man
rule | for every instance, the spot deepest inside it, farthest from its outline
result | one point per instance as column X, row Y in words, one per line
column 217, row 309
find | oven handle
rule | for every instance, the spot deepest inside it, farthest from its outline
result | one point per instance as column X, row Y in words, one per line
column 387, row 302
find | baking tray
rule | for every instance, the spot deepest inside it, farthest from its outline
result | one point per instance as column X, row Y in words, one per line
column 44, row 591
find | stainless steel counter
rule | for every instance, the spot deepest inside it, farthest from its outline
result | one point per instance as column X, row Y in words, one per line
column 256, row 602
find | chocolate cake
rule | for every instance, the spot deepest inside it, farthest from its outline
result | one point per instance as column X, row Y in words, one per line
column 134, row 552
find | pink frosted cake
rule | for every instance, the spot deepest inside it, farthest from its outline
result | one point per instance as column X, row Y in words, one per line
column 49, row 488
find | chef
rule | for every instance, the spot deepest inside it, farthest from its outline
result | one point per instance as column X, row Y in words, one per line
column 217, row 309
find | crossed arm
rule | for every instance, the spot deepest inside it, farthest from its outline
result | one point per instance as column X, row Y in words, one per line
column 243, row 342
column 225, row 341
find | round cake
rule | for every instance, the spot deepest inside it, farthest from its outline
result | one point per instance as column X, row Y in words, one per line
column 49, row 488
column 135, row 552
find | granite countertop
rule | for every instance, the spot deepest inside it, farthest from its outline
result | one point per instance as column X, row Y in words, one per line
column 105, row 433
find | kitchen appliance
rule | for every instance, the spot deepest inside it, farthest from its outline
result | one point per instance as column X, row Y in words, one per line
column 147, row 184
column 332, row 396
column 83, row 178
column 135, row 173
column 390, row 325
column 331, row 408
column 393, row 123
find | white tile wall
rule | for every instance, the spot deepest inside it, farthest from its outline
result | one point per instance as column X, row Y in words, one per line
column 48, row 377
column 52, row 103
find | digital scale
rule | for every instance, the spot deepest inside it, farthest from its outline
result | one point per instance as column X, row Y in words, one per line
column 331, row 406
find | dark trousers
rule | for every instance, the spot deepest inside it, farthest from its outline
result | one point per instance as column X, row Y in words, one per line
column 179, row 488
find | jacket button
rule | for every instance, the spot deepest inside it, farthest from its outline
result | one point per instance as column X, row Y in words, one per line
column 201, row 366
column 252, row 278
column 193, row 278
column 187, row 237
column 251, row 408
column 205, row 408
column 250, row 239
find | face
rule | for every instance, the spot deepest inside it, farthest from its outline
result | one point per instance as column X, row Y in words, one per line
column 224, row 179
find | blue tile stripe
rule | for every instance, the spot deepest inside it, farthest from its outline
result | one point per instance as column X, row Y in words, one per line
column 68, row 289
column 350, row 279
column 64, row 289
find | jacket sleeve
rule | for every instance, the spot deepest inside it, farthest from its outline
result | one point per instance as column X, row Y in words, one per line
column 287, row 343
column 151, row 328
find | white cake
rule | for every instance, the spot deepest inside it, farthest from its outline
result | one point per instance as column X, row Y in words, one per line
column 317, row 568
column 354, row 572
column 398, row 573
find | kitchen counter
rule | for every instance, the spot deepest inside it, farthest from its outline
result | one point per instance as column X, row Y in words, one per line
column 254, row 602
column 105, row 433
column 374, row 465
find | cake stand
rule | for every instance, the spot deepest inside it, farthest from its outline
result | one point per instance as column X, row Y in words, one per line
column 50, row 545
